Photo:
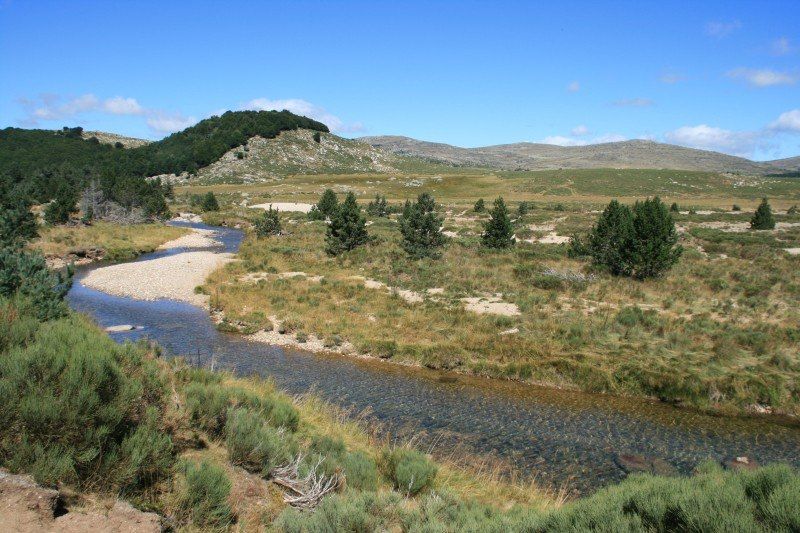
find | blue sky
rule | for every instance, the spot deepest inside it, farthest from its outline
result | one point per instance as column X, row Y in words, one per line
column 716, row 75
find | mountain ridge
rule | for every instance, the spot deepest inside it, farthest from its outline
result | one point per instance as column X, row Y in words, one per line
column 636, row 153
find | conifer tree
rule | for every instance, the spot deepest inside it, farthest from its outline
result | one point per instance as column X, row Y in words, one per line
column 611, row 239
column 328, row 204
column 347, row 229
column 378, row 207
column 268, row 224
column 763, row 219
column 523, row 209
column 480, row 206
column 655, row 238
column 498, row 231
column 422, row 229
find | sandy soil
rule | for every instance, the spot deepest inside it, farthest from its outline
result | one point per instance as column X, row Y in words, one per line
column 792, row 251
column 174, row 277
column 199, row 238
column 492, row 305
column 284, row 206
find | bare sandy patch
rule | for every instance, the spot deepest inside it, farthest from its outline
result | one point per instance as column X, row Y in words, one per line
column 491, row 305
column 553, row 238
column 285, row 206
column 792, row 251
column 199, row 238
column 411, row 297
column 254, row 277
column 173, row 277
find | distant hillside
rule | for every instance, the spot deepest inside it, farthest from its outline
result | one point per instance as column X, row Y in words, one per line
column 790, row 163
column 113, row 138
column 296, row 152
column 533, row 156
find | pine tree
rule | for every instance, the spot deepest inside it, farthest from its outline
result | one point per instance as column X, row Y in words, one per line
column 378, row 207
column 268, row 224
column 498, row 231
column 674, row 207
column 328, row 203
column 655, row 238
column 523, row 208
column 17, row 225
column 480, row 206
column 209, row 202
column 422, row 229
column 347, row 229
column 763, row 219
column 611, row 239
column 61, row 208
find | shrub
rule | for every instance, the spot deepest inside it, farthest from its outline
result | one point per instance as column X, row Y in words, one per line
column 360, row 471
column 762, row 218
column 736, row 208
column 17, row 224
column 207, row 406
column 239, row 155
column 315, row 214
column 347, row 229
column 59, row 210
column 578, row 247
column 498, row 231
column 421, row 229
column 254, row 445
column 523, row 209
column 317, row 137
column 480, row 206
column 674, row 208
column 378, row 207
column 611, row 239
column 268, row 224
column 655, row 247
column 328, row 204
column 24, row 275
column 202, row 495
column 792, row 210
column 410, row 471
column 75, row 409
column 209, row 202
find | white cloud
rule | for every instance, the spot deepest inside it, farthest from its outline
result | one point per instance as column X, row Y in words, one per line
column 119, row 105
column 573, row 87
column 705, row 137
column 306, row 109
column 782, row 46
column 722, row 29
column 763, row 77
column 50, row 107
column 562, row 140
column 163, row 122
column 579, row 131
column 634, row 102
column 788, row 121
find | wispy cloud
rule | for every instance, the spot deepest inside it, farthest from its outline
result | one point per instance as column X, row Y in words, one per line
column 306, row 109
column 763, row 77
column 788, row 121
column 720, row 29
column 50, row 107
column 573, row 87
column 634, row 102
column 573, row 140
column 782, row 46
column 579, row 131
column 671, row 77
column 705, row 137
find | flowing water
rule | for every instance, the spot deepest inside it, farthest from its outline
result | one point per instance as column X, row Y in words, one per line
column 564, row 438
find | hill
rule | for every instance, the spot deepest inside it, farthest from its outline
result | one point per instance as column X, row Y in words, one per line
column 113, row 138
column 790, row 163
column 534, row 156
column 297, row 152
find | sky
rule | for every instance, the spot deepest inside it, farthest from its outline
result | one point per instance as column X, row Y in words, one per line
column 721, row 76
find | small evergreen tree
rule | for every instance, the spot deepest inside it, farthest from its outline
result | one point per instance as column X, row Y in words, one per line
column 378, row 207
column 480, row 206
column 655, row 239
column 736, row 207
column 61, row 208
column 209, row 202
column 763, row 219
column 498, row 231
column 523, row 209
column 348, row 228
column 674, row 207
column 315, row 213
column 328, row 204
column 611, row 239
column 268, row 224
column 422, row 229
column 317, row 137
column 17, row 225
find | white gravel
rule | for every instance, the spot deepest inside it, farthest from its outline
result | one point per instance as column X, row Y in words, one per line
column 199, row 238
column 173, row 277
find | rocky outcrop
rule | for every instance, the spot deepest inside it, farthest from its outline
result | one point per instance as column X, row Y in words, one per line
column 27, row 507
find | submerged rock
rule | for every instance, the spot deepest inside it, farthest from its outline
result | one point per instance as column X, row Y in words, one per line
column 634, row 463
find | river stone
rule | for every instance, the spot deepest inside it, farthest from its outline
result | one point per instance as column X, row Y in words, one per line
column 633, row 463
column 742, row 462
column 120, row 328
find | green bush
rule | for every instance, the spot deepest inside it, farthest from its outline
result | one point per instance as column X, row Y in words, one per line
column 480, row 206
column 209, row 202
column 421, row 228
column 523, row 209
column 360, row 471
column 410, row 471
column 268, row 224
column 78, row 408
column 762, row 218
column 498, row 231
column 202, row 495
column 328, row 204
column 378, row 207
column 59, row 210
column 207, row 406
column 254, row 445
column 347, row 229
column 24, row 276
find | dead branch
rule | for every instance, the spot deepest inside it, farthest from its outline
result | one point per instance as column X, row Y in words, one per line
column 306, row 492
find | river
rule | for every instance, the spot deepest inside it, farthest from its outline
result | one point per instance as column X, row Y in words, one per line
column 563, row 438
